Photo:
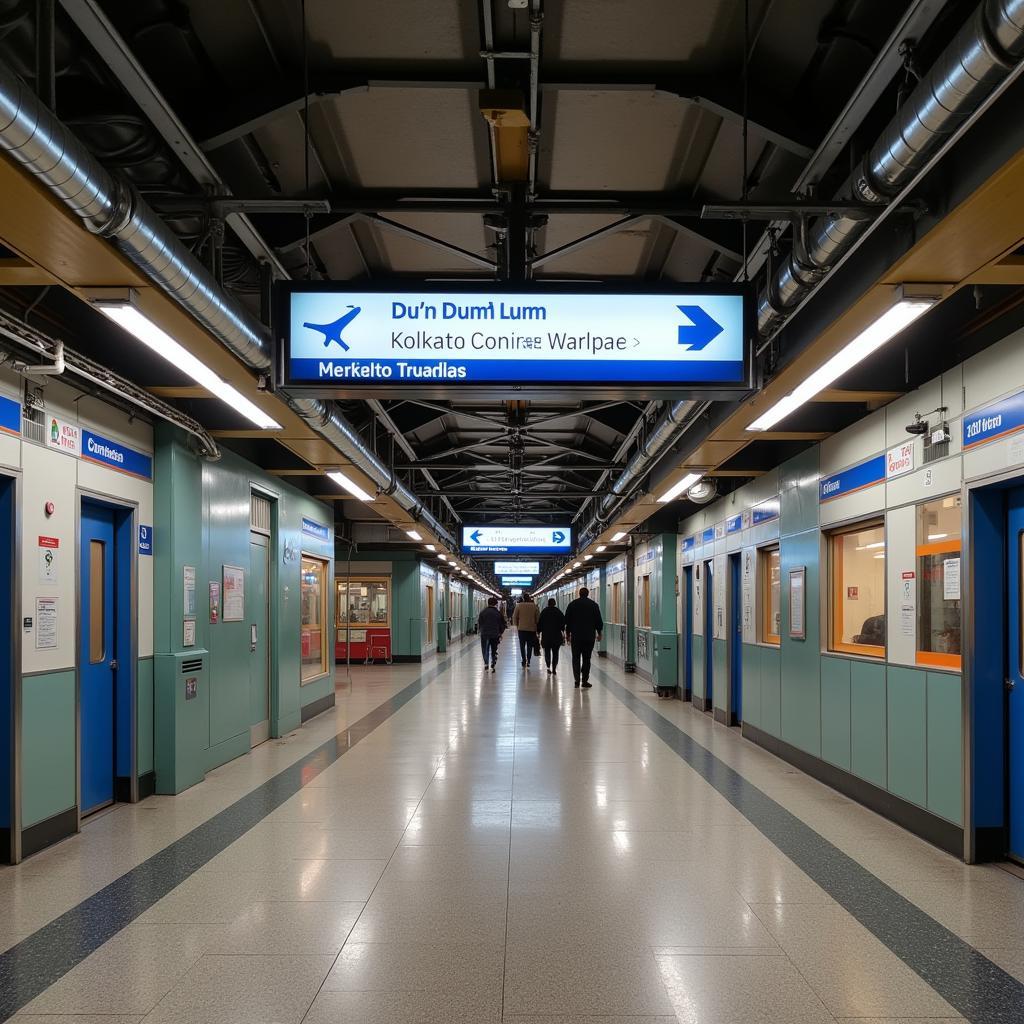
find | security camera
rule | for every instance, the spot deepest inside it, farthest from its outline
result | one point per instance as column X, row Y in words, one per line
column 918, row 427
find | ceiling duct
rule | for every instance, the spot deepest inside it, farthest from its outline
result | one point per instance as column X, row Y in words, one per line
column 980, row 56
column 33, row 137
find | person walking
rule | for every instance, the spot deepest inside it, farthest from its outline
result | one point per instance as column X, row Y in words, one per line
column 583, row 628
column 525, row 619
column 552, row 634
column 490, row 624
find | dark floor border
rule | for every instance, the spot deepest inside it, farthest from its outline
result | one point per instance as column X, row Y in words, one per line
column 147, row 784
column 316, row 707
column 720, row 716
column 407, row 659
column 700, row 703
column 928, row 826
column 122, row 789
column 991, row 843
column 977, row 988
column 49, row 831
column 34, row 964
column 6, row 853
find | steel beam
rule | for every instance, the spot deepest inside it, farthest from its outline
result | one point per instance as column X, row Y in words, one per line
column 435, row 243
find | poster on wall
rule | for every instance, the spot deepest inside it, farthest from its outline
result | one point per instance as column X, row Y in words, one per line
column 48, row 548
column 797, row 603
column 188, row 576
column 951, row 579
column 188, row 637
column 233, row 593
column 214, row 602
column 46, row 623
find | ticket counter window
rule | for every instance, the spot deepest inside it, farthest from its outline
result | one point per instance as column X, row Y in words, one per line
column 857, row 590
column 313, row 599
column 771, row 596
column 363, row 603
column 938, row 583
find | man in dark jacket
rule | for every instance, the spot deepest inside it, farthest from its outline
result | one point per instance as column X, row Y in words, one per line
column 491, row 624
column 551, row 625
column 583, row 627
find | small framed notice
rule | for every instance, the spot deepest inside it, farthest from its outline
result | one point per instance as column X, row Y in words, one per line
column 798, row 603
column 233, row 594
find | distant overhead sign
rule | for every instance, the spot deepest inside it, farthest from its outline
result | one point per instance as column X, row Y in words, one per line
column 517, row 568
column 499, row 540
column 341, row 341
column 516, row 581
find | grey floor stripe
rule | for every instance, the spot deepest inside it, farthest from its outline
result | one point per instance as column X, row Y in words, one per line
column 978, row 989
column 34, row 964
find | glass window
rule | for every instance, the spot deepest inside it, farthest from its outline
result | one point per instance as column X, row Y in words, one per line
column 645, row 602
column 97, row 585
column 938, row 573
column 617, row 602
column 771, row 596
column 857, row 603
column 428, row 622
column 362, row 602
column 313, row 597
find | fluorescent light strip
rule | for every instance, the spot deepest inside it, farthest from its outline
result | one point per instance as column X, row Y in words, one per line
column 619, row 536
column 431, row 547
column 159, row 341
column 676, row 489
column 601, row 547
column 349, row 485
column 873, row 337
column 415, row 534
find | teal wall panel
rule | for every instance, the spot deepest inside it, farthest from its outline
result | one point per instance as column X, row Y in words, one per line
column 945, row 746
column 144, row 717
column 752, row 684
column 771, row 691
column 801, row 682
column 907, row 733
column 835, row 711
column 798, row 484
column 867, row 722
column 48, row 744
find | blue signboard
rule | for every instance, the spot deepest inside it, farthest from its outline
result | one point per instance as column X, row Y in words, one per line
column 516, row 581
column 688, row 543
column 997, row 420
column 708, row 534
column 765, row 512
column 10, row 416
column 145, row 540
column 116, row 455
column 348, row 339
column 734, row 524
column 856, row 478
column 501, row 540
column 311, row 528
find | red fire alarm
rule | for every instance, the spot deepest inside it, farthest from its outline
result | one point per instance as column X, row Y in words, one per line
column 49, row 508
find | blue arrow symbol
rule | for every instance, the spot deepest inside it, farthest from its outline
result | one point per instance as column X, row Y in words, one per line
column 701, row 330
column 475, row 536
column 557, row 537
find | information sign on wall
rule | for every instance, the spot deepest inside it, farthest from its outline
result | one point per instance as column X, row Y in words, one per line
column 496, row 540
column 115, row 455
column 1000, row 419
column 145, row 540
column 64, row 436
column 10, row 416
column 311, row 528
column 856, row 478
column 516, row 568
column 233, row 593
column 899, row 460
column 342, row 340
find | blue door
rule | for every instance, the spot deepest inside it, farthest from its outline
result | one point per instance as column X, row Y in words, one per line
column 735, row 641
column 97, row 657
column 1015, row 670
column 687, row 632
column 709, row 635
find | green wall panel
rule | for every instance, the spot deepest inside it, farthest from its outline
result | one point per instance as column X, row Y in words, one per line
column 771, row 691
column 801, row 681
column 144, row 716
column 945, row 746
column 907, row 733
column 752, row 684
column 798, row 484
column 48, row 741
column 867, row 722
column 835, row 711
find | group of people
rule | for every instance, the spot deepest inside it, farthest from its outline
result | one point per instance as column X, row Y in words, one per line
column 580, row 625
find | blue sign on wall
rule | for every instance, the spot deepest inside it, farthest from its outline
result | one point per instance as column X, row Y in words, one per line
column 337, row 338
column 500, row 540
column 708, row 534
column 115, row 455
column 765, row 512
column 311, row 528
column 10, row 416
column 145, row 540
column 733, row 524
column 688, row 543
column 856, row 478
column 997, row 420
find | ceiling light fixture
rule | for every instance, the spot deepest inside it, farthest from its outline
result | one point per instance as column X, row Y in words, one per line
column 601, row 547
column 444, row 558
column 431, row 547
column 619, row 536
column 415, row 534
column 349, row 485
column 587, row 558
column 906, row 310
column 139, row 326
column 677, row 488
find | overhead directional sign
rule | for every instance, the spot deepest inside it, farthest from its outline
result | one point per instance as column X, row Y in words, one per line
column 336, row 340
column 500, row 540
column 516, row 581
column 517, row 568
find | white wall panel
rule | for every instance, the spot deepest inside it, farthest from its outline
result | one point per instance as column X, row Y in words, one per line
column 853, row 506
column 853, row 445
column 900, row 557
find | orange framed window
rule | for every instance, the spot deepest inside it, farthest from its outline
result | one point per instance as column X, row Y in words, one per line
column 857, row 589
column 616, row 615
column 313, row 595
column 938, row 583
column 645, row 602
column 771, row 595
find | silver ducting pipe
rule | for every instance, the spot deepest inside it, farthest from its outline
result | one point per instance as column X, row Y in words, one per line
column 36, row 139
column 980, row 56
column 671, row 425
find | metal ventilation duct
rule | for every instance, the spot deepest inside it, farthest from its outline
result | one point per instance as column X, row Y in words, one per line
column 54, row 155
column 980, row 56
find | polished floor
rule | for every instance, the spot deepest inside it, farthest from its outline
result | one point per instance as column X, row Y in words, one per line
column 455, row 845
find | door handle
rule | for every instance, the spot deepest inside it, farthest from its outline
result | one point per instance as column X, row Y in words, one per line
column 113, row 664
column 1009, row 684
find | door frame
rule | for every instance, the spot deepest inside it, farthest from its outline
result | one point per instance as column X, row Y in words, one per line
column 269, row 560
column 131, row 507
column 260, row 489
column 708, row 625
column 686, row 630
column 734, row 635
column 13, row 854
